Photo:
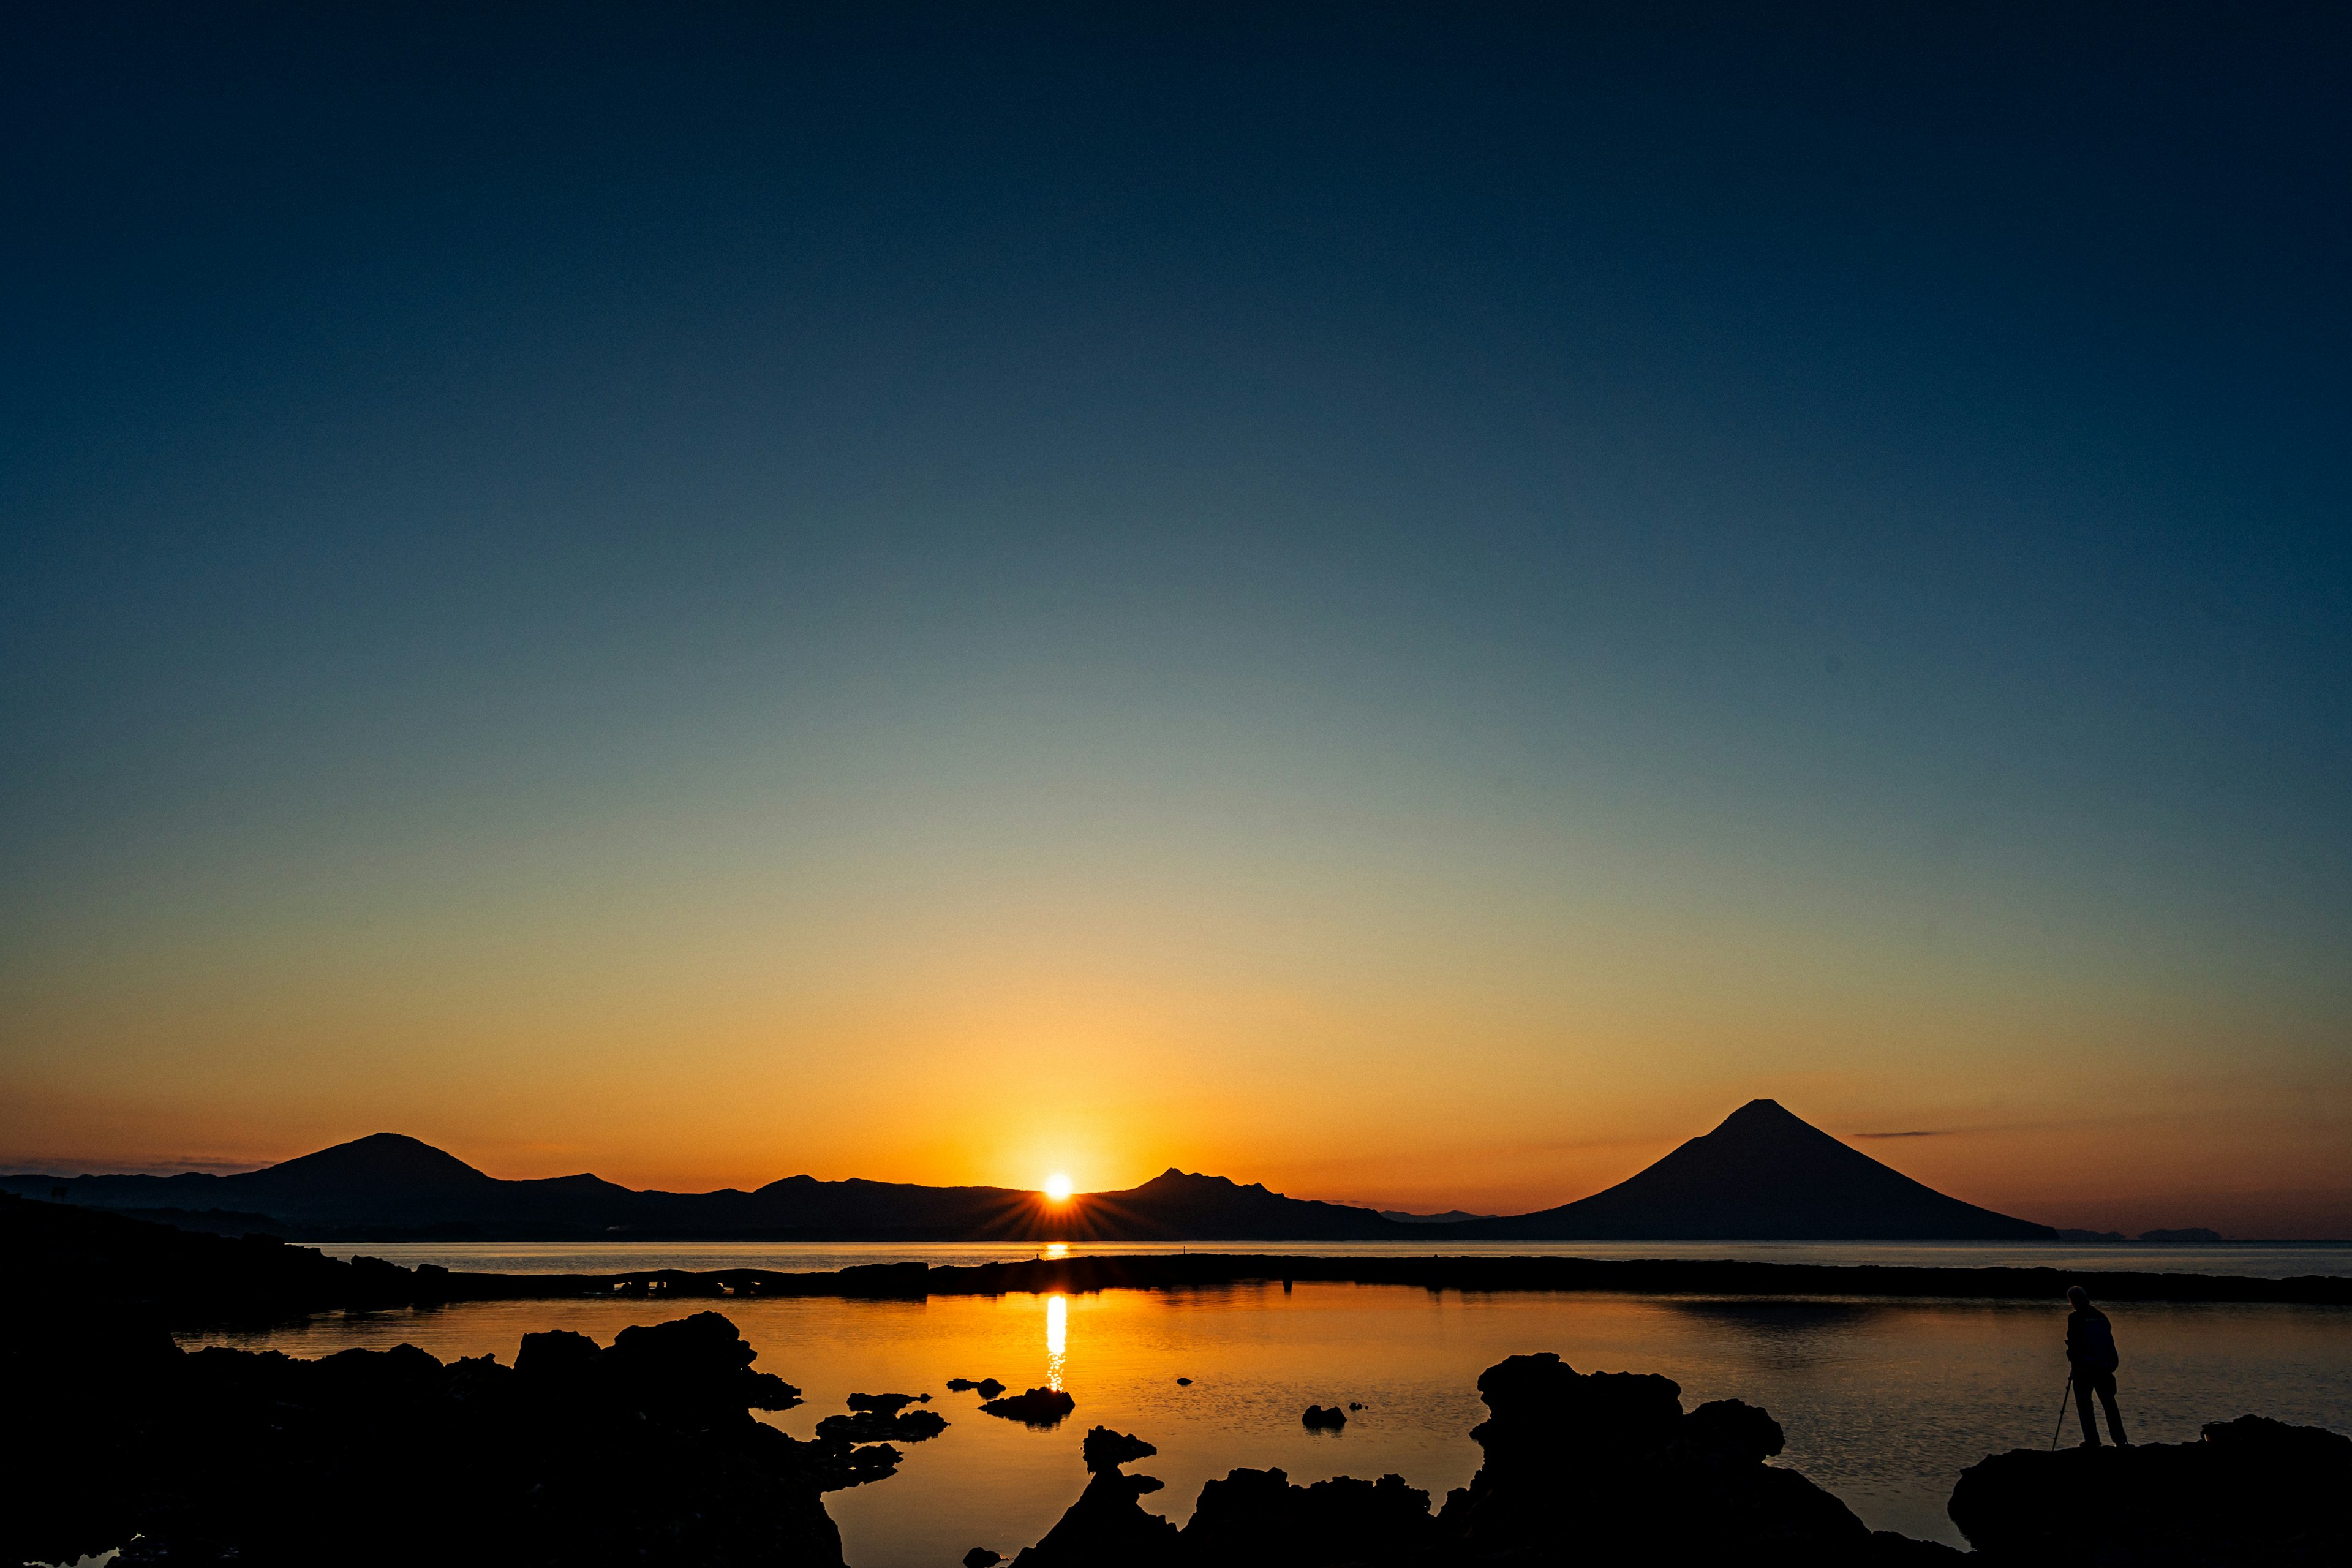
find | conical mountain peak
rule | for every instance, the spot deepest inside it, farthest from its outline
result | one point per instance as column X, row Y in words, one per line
column 1766, row 1174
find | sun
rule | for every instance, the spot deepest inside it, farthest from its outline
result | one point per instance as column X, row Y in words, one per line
column 1058, row 1188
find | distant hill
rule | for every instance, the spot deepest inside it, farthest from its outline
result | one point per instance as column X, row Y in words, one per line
column 1763, row 1175
column 386, row 1187
column 1176, row 1207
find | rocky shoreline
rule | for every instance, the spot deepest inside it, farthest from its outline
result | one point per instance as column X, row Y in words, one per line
column 194, row 1276
column 1608, row 1467
column 646, row 1452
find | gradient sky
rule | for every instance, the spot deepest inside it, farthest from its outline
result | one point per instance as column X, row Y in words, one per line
column 1410, row 607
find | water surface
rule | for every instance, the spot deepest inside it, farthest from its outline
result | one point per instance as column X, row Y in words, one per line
column 2260, row 1260
column 1883, row 1401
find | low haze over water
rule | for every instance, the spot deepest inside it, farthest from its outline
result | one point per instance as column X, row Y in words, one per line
column 1884, row 1402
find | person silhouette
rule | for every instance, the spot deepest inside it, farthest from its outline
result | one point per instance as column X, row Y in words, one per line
column 2091, row 1353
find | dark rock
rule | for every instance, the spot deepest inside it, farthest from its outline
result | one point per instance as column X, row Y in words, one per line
column 697, row 1368
column 557, row 1354
column 881, row 1426
column 1036, row 1407
column 986, row 1388
column 1324, row 1419
column 1355, row 1405
column 1183, row 1382
column 1732, row 1430
column 840, row 1466
column 1539, row 1406
column 1888, row 1549
column 904, row 1279
column 642, row 1453
column 1107, row 1525
column 981, row 1557
column 1605, row 1467
column 1105, row 1450
column 888, row 1404
column 1256, row 1517
column 2252, row 1491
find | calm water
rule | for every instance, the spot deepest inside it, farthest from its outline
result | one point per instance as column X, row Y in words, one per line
column 2270, row 1260
column 1883, row 1401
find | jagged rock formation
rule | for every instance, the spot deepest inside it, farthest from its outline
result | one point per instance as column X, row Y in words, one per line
column 875, row 1426
column 2252, row 1491
column 881, row 1418
column 1256, row 1518
column 1606, row 1467
column 1104, row 1526
column 642, row 1453
column 1581, row 1469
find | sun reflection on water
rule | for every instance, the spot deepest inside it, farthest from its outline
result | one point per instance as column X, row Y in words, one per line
column 1057, row 1338
column 1056, row 1250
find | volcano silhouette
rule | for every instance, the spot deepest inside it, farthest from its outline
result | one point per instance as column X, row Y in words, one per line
column 1763, row 1175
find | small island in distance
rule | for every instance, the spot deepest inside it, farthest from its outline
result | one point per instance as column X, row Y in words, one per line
column 1764, row 1174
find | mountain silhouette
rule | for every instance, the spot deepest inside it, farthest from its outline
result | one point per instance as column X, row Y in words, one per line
column 1179, row 1205
column 379, row 1162
column 386, row 1186
column 1763, row 1175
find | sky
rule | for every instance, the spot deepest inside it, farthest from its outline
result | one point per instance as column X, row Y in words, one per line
column 1406, row 605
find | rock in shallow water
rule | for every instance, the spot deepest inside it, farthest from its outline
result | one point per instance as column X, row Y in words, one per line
column 1104, row 1449
column 872, row 1425
column 1034, row 1408
column 1254, row 1517
column 1596, row 1468
column 2251, row 1491
column 1104, row 1526
column 887, row 1403
column 640, row 1453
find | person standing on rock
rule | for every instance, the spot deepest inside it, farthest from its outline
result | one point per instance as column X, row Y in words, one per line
column 2090, row 1351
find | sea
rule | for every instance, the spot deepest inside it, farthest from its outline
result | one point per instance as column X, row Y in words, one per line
column 1883, row 1401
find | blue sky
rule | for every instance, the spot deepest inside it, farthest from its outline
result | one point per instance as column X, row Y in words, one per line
column 1585, row 565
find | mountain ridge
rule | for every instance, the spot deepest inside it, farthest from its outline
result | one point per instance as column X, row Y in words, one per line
column 1762, row 1174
